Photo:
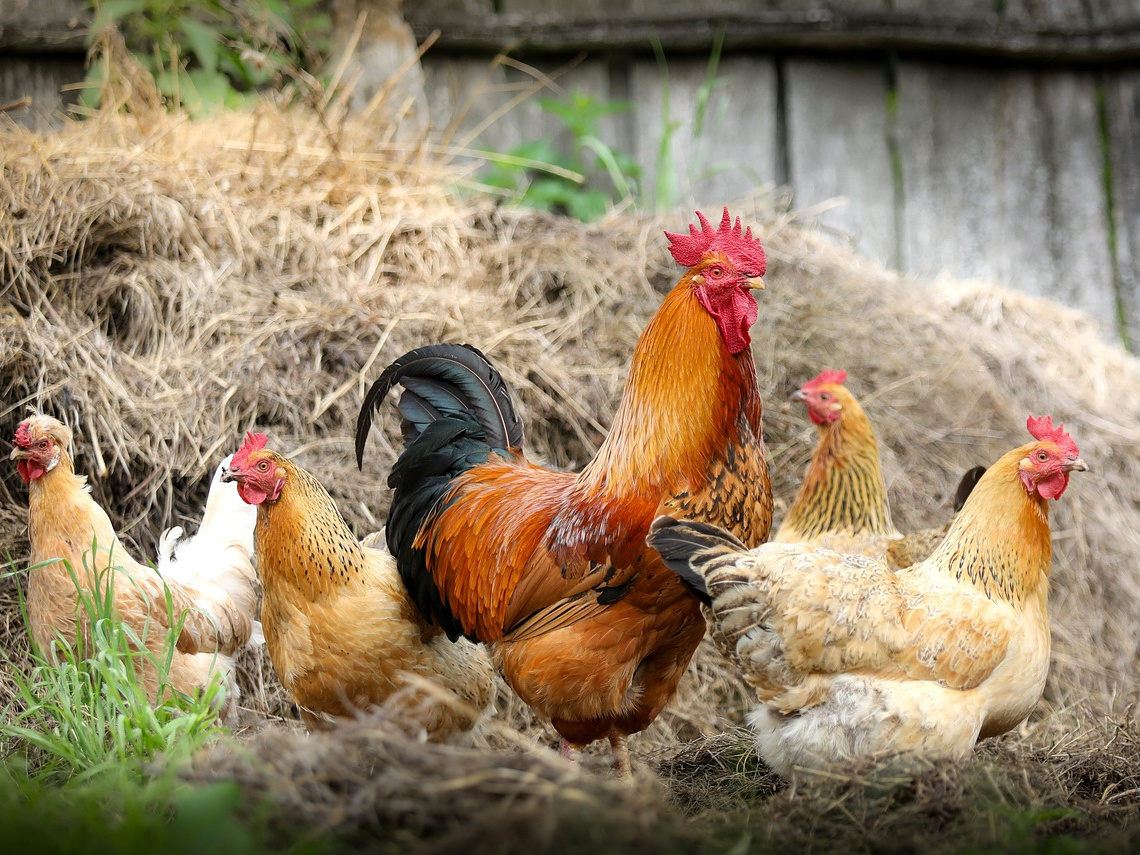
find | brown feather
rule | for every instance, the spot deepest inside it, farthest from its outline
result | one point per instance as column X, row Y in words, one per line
column 341, row 631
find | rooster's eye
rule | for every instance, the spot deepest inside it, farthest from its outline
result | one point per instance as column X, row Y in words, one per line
column 1042, row 456
column 716, row 272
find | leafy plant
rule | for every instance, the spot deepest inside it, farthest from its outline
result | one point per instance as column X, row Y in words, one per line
column 537, row 174
column 205, row 54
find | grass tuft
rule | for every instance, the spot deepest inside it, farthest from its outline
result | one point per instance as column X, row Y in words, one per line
column 82, row 711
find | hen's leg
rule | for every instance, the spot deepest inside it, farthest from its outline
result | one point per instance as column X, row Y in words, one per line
column 620, row 750
column 568, row 752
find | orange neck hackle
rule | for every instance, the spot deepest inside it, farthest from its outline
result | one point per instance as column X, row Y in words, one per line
column 844, row 490
column 1000, row 541
column 302, row 539
column 682, row 403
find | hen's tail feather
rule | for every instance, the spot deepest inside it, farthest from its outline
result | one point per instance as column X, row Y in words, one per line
column 686, row 546
column 442, row 380
column 966, row 486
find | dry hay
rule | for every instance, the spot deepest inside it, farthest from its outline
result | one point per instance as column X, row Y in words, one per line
column 170, row 284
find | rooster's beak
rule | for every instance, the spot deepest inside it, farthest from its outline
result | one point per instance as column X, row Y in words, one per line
column 799, row 395
column 756, row 283
column 19, row 453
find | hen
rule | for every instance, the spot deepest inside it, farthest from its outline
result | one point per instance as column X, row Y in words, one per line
column 551, row 568
column 852, row 659
column 341, row 631
column 842, row 503
column 209, row 579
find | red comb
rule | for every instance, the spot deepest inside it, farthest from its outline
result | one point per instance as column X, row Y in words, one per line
column 744, row 250
column 1042, row 429
column 253, row 442
column 24, row 435
column 836, row 376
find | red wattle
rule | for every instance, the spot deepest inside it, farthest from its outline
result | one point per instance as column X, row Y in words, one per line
column 29, row 470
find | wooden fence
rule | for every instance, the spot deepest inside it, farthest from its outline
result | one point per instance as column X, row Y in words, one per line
column 996, row 139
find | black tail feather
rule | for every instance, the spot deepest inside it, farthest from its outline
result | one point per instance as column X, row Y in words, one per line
column 966, row 486
column 455, row 410
column 682, row 543
column 441, row 380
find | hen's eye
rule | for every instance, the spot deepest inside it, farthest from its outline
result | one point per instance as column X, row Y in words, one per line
column 43, row 443
column 825, row 396
column 1042, row 456
column 263, row 466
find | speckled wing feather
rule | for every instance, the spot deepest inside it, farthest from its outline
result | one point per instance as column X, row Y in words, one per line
column 791, row 614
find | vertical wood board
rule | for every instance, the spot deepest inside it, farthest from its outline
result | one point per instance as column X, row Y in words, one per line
column 42, row 82
column 1001, row 179
column 838, row 150
column 731, row 154
column 1122, row 106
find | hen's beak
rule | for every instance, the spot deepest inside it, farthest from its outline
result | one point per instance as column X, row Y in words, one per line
column 756, row 283
column 799, row 395
column 19, row 453
column 227, row 475
column 1075, row 464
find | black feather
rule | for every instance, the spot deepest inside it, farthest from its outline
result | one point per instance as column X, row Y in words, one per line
column 455, row 412
column 421, row 480
column 440, row 380
column 683, row 543
column 966, row 486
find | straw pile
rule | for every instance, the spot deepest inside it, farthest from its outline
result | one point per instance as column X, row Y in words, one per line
column 168, row 285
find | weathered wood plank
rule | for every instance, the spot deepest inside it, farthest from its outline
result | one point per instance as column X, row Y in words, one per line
column 44, row 25
column 1122, row 111
column 1072, row 241
column 42, row 82
column 839, row 150
column 1001, row 179
column 477, row 104
column 820, row 28
column 731, row 154
column 947, row 149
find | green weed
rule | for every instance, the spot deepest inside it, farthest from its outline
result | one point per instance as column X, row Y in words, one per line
column 537, row 174
column 206, row 54
column 82, row 711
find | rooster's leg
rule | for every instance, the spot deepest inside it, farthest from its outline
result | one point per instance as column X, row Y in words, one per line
column 620, row 750
column 568, row 751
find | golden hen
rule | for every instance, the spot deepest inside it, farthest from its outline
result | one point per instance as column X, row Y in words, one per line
column 852, row 659
column 209, row 578
column 341, row 631
column 551, row 568
column 842, row 503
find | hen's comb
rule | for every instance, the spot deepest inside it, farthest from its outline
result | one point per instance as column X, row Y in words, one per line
column 253, row 442
column 744, row 250
column 24, row 434
column 1042, row 429
column 836, row 376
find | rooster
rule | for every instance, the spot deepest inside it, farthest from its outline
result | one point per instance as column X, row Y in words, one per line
column 852, row 659
column 209, row 578
column 842, row 503
column 551, row 568
column 341, row 631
